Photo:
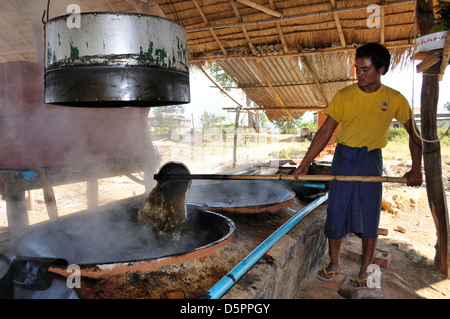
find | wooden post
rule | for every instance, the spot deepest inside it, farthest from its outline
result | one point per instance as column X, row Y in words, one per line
column 431, row 147
column 433, row 167
column 16, row 211
column 50, row 202
column 92, row 192
column 236, row 126
column 30, row 201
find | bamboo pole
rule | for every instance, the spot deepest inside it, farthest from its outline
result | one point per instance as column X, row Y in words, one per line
column 398, row 44
column 296, row 17
column 262, row 8
column 277, row 177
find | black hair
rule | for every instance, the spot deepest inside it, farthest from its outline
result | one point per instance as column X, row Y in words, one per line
column 377, row 53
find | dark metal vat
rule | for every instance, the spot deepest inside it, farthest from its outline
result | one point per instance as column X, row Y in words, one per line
column 116, row 60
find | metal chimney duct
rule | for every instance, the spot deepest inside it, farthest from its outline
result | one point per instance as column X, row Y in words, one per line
column 116, row 60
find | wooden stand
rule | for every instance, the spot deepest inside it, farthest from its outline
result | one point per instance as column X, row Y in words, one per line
column 13, row 186
column 433, row 67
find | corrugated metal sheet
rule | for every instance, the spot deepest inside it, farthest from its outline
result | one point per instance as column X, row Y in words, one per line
column 287, row 82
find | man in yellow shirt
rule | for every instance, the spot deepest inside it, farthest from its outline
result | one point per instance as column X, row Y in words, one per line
column 365, row 110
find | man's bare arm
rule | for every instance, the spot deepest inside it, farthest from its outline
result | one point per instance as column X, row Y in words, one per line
column 414, row 176
column 318, row 143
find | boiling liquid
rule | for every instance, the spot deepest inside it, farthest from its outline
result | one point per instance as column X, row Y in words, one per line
column 164, row 210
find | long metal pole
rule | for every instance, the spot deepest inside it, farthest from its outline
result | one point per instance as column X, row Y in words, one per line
column 224, row 284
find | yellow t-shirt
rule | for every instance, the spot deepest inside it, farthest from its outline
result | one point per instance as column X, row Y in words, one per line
column 365, row 117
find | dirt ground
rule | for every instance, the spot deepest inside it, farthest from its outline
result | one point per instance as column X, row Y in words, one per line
column 410, row 239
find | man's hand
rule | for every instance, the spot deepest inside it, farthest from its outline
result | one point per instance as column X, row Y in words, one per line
column 318, row 143
column 413, row 178
column 302, row 169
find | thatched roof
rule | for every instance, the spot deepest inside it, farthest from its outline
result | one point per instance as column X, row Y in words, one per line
column 296, row 55
column 288, row 56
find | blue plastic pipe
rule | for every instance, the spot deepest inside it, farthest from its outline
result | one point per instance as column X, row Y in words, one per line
column 311, row 185
column 224, row 284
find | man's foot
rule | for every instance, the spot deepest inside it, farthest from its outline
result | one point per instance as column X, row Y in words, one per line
column 327, row 274
column 359, row 282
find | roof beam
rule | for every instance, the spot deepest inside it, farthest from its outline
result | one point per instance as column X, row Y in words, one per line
column 261, row 8
column 274, row 91
column 244, row 30
column 382, row 26
column 219, row 87
column 280, row 32
column 319, row 88
column 390, row 45
column 338, row 23
column 213, row 33
column 279, row 108
column 296, row 17
column 255, row 87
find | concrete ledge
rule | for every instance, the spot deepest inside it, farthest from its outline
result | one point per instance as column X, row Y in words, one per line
column 280, row 272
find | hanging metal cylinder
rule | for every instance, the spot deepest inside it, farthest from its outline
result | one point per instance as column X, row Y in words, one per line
column 116, row 60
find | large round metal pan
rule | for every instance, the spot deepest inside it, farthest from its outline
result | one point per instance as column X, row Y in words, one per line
column 240, row 196
column 112, row 236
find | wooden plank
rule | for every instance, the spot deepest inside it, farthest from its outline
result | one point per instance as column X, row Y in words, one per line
column 428, row 62
column 62, row 175
column 426, row 54
column 445, row 58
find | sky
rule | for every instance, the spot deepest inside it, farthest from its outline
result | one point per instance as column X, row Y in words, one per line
column 206, row 97
column 409, row 83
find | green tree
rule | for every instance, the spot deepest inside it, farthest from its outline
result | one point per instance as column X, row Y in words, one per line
column 220, row 76
column 163, row 116
column 443, row 14
column 286, row 126
column 447, row 105
column 209, row 120
column 263, row 118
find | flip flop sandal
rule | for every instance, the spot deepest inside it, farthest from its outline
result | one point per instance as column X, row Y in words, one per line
column 358, row 282
column 326, row 273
